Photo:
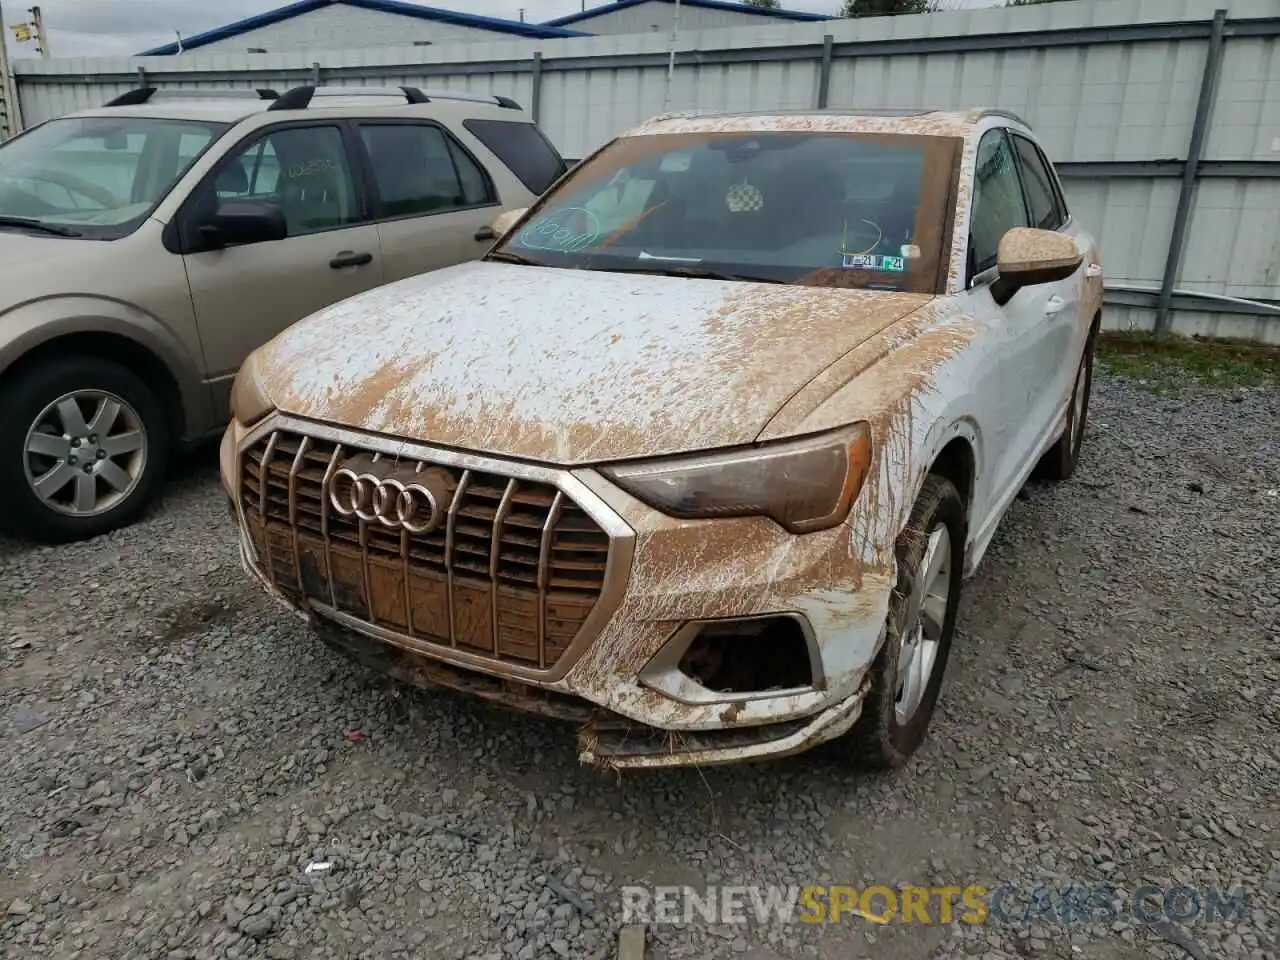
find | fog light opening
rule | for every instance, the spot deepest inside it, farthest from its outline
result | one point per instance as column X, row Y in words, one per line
column 749, row 656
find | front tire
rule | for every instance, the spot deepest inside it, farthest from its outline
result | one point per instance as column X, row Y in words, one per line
column 906, row 676
column 84, row 445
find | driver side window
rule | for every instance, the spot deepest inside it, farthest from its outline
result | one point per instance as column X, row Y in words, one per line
column 998, row 205
column 303, row 170
column 256, row 178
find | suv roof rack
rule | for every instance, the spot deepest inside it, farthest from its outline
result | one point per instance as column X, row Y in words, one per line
column 132, row 98
column 299, row 98
column 1007, row 114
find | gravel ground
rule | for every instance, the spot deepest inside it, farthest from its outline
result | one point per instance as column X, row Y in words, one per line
column 178, row 749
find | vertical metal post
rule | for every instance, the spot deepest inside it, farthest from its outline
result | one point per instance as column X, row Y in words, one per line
column 535, row 99
column 671, row 58
column 1191, row 169
column 8, row 92
column 315, row 73
column 142, row 76
column 824, row 72
column 37, row 19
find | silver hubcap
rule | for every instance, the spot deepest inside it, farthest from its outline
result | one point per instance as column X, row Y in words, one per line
column 85, row 453
column 923, row 618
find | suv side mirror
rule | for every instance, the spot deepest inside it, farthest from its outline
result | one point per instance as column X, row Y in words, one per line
column 1027, row 256
column 244, row 221
column 503, row 223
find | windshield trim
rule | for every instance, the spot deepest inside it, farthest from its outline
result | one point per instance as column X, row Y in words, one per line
column 944, row 187
column 217, row 129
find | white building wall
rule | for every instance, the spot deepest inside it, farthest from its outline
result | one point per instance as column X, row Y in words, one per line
column 340, row 26
column 656, row 16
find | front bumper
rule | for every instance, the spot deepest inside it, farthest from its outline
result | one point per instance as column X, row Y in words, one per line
column 664, row 575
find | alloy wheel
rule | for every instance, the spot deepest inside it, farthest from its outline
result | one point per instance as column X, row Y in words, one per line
column 923, row 621
column 85, row 453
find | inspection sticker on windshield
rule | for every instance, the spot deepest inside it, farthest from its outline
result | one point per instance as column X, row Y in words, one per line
column 676, row 162
column 871, row 261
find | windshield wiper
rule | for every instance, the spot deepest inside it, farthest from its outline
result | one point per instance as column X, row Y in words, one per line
column 26, row 223
column 504, row 257
column 693, row 273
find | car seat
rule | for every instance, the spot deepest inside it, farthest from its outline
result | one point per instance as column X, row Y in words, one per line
column 232, row 180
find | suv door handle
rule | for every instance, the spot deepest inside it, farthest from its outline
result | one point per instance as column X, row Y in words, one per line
column 486, row 233
column 1054, row 305
column 1093, row 270
column 348, row 259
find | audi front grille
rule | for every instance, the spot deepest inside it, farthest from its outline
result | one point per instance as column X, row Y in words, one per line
column 496, row 565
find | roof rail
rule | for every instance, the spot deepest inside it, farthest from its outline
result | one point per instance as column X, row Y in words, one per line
column 299, row 98
column 131, row 98
column 1007, row 114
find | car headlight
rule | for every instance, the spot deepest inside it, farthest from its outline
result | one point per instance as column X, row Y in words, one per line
column 249, row 402
column 804, row 485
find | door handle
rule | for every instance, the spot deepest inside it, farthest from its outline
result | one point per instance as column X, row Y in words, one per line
column 486, row 233
column 1093, row 270
column 1054, row 305
column 348, row 259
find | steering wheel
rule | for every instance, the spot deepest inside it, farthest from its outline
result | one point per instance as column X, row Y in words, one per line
column 86, row 188
column 862, row 236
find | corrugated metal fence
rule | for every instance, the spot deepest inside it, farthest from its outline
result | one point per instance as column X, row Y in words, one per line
column 1163, row 115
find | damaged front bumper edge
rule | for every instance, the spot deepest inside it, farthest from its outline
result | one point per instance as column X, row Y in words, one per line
column 605, row 740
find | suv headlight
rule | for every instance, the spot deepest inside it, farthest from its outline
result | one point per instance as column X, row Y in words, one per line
column 804, row 485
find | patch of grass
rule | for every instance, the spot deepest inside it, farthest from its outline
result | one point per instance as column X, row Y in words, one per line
column 1171, row 362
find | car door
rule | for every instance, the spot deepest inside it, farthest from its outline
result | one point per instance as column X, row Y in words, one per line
column 1069, row 315
column 1023, row 345
column 433, row 201
column 246, row 294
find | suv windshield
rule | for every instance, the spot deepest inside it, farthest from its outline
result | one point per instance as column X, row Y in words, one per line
column 97, row 177
column 825, row 209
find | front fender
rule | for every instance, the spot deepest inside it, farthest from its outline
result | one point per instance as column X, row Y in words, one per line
column 913, row 383
column 35, row 323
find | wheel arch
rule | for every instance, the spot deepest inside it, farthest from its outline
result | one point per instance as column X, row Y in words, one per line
column 957, row 461
column 146, row 348
column 955, row 453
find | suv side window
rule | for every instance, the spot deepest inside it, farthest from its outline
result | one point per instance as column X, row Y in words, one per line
column 1042, row 199
column 418, row 169
column 997, row 200
column 254, row 175
column 523, row 148
column 305, row 170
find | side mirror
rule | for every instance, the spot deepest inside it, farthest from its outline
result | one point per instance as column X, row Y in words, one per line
column 1027, row 256
column 244, row 221
column 503, row 223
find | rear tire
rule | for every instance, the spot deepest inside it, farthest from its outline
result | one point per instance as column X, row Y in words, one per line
column 1060, row 461
column 906, row 676
column 84, row 444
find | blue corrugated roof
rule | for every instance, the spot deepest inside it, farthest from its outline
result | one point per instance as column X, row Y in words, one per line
column 705, row 4
column 289, row 11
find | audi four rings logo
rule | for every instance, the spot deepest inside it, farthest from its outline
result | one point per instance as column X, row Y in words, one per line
column 397, row 498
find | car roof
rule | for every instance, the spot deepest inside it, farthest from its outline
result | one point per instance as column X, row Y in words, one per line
column 842, row 120
column 233, row 106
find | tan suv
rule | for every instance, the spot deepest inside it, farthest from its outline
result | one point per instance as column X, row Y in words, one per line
column 148, row 246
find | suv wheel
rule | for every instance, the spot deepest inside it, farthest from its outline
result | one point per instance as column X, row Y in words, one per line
column 83, row 447
column 906, row 676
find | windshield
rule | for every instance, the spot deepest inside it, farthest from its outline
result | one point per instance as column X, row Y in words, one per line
column 826, row 209
column 97, row 177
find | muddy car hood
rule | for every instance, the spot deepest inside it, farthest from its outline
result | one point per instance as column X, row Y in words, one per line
column 567, row 366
